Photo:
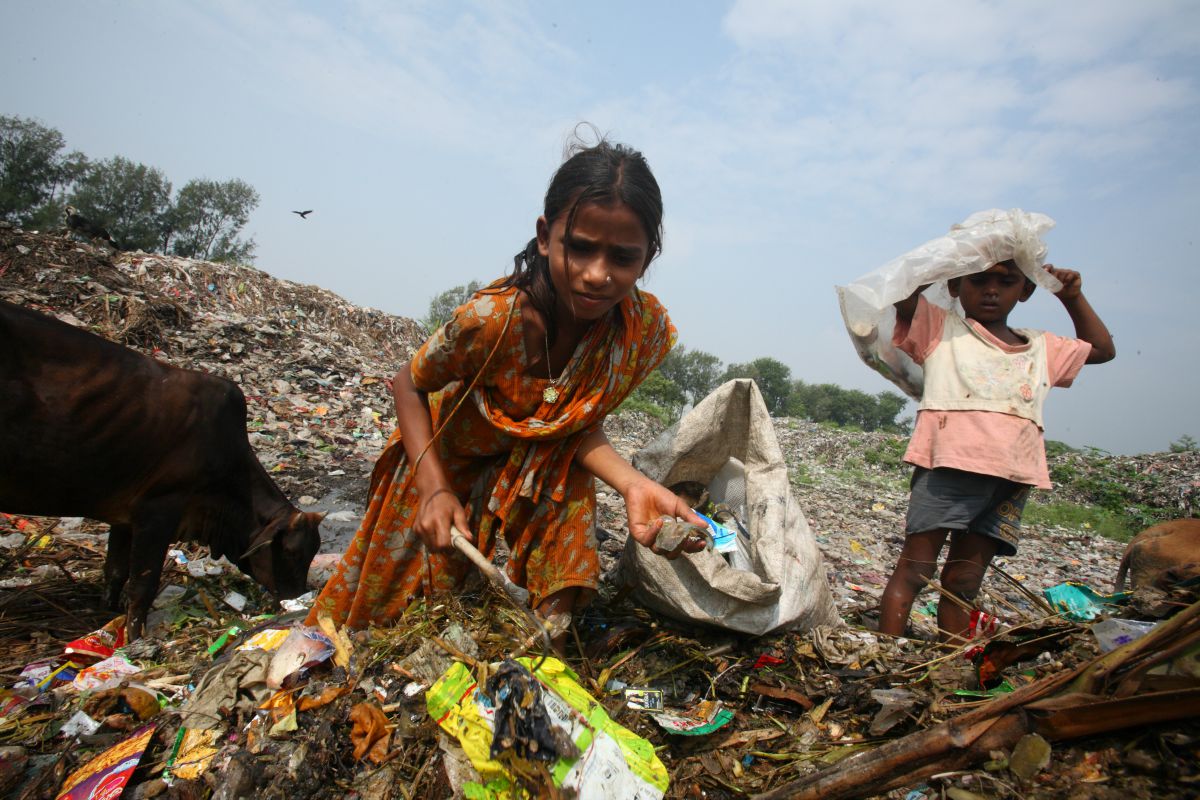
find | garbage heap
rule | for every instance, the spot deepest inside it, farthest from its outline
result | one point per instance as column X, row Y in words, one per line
column 314, row 367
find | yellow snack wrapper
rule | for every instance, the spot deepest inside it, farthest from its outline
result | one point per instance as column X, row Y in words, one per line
column 614, row 762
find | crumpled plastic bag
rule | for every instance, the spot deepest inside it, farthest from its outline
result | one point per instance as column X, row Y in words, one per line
column 981, row 240
column 522, row 725
column 240, row 682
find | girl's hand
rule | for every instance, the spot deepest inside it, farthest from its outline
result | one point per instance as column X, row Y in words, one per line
column 1071, row 280
column 646, row 503
column 437, row 512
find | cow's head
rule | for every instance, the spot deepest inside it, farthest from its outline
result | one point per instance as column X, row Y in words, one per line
column 281, row 551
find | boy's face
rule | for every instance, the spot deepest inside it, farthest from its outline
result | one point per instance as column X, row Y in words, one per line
column 990, row 295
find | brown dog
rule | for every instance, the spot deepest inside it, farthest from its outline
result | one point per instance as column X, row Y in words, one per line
column 1162, row 554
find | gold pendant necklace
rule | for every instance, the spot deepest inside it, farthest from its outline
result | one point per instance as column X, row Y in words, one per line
column 550, row 393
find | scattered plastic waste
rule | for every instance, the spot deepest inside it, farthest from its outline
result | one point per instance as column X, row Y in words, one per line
column 765, row 660
column 1114, row 632
column 644, row 699
column 301, row 603
column 706, row 717
column 302, row 649
column 1080, row 602
column 104, row 674
column 191, row 753
column 79, row 723
column 99, row 644
column 105, row 775
column 897, row 705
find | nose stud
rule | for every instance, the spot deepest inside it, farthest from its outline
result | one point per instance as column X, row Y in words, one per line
column 608, row 279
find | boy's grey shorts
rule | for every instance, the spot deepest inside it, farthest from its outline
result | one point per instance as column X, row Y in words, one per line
column 952, row 499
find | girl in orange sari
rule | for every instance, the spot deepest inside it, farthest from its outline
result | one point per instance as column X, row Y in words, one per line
column 517, row 385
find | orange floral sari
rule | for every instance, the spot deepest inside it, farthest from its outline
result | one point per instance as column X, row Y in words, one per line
column 508, row 454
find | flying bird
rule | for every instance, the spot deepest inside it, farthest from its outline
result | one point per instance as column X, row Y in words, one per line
column 303, row 214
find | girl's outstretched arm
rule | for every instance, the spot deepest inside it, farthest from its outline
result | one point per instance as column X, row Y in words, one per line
column 646, row 502
column 1088, row 325
column 440, row 507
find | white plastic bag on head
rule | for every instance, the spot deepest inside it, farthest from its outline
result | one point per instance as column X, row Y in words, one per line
column 975, row 244
column 785, row 586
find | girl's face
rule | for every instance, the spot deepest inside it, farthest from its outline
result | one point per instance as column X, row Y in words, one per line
column 990, row 295
column 594, row 267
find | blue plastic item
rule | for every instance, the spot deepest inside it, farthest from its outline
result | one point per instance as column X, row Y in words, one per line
column 1080, row 602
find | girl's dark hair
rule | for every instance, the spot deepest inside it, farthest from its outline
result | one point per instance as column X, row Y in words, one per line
column 605, row 174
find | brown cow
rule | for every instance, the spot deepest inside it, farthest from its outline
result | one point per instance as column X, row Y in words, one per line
column 1162, row 554
column 89, row 428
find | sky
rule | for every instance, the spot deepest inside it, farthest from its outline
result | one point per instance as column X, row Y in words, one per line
column 799, row 145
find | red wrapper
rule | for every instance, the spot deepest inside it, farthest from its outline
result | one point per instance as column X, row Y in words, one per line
column 101, row 644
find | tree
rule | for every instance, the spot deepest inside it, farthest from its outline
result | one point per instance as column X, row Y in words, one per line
column 888, row 406
column 441, row 307
column 52, row 213
column 31, row 167
column 828, row 402
column 207, row 218
column 658, row 396
column 774, row 379
column 130, row 200
column 695, row 372
column 1184, row 444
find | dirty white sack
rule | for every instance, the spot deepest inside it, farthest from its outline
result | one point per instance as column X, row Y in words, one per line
column 787, row 587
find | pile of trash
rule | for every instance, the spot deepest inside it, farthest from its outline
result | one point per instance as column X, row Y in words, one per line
column 1140, row 485
column 1065, row 690
column 314, row 367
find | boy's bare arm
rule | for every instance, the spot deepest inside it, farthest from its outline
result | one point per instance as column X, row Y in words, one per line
column 1088, row 325
column 908, row 306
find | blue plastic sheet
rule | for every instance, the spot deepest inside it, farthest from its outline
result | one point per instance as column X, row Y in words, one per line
column 1080, row 602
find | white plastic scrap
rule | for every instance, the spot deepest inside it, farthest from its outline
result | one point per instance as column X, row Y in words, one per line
column 977, row 243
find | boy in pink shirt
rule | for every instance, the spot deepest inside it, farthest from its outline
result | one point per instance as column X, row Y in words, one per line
column 977, row 447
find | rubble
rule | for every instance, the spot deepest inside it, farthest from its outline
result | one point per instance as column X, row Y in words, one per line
column 333, row 714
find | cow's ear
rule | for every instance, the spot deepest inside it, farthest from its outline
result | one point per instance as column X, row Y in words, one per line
column 264, row 538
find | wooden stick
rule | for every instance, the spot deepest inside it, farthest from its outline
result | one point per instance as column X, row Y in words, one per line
column 516, row 594
column 1038, row 601
column 490, row 570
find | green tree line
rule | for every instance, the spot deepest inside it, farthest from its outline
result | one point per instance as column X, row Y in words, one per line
column 687, row 376
column 132, row 201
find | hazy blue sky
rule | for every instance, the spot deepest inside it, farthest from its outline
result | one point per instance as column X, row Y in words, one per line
column 798, row 145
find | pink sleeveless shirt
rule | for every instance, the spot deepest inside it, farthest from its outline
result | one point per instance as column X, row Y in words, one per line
column 985, row 442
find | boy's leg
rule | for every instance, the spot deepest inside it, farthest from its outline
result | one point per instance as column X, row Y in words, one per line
column 962, row 575
column 917, row 563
